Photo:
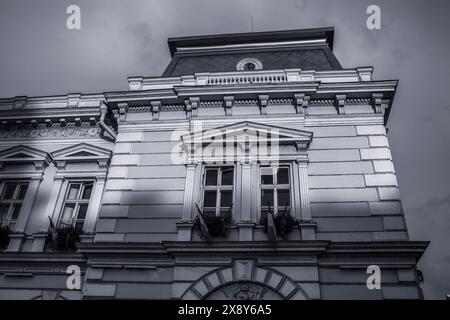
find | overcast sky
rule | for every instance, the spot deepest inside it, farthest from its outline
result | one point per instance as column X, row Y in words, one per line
column 40, row 56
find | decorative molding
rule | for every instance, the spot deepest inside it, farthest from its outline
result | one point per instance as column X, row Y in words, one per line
column 82, row 152
column 60, row 130
column 301, row 103
column 263, row 102
column 228, row 102
column 123, row 110
column 23, row 154
column 156, row 109
column 192, row 105
column 339, row 103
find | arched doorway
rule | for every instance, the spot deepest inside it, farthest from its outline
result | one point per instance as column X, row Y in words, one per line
column 244, row 280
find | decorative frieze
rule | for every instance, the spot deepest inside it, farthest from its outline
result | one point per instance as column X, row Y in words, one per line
column 68, row 130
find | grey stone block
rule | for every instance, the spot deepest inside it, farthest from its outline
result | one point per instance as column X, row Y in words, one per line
column 375, row 154
column 336, row 131
column 349, row 292
column 338, row 181
column 113, row 211
column 340, row 209
column 371, row 130
column 333, row 155
column 343, row 195
column 329, row 168
column 383, row 166
column 99, row 290
column 152, row 197
column 380, row 179
column 358, row 224
column 146, row 225
column 378, row 141
column 143, row 291
column 400, row 292
column 339, row 143
column 394, row 223
column 156, row 211
column 157, row 172
column 389, row 193
column 129, row 137
column 385, row 208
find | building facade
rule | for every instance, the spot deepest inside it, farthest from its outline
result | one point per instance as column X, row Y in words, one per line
column 255, row 167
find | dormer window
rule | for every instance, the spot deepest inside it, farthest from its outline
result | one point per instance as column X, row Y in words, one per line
column 249, row 64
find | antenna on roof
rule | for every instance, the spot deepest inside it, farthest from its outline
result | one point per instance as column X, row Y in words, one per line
column 251, row 18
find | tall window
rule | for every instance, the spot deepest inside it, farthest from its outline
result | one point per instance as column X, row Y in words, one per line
column 76, row 204
column 218, row 190
column 11, row 202
column 275, row 188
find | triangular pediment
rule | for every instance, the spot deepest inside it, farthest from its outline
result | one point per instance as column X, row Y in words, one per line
column 24, row 154
column 81, row 153
column 250, row 131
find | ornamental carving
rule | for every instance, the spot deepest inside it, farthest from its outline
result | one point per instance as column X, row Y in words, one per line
column 60, row 132
column 245, row 291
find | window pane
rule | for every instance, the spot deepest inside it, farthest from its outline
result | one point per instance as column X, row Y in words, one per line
column 210, row 199
column 227, row 177
column 73, row 191
column 226, row 198
column 68, row 213
column 211, row 177
column 267, row 198
column 266, row 176
column 22, row 191
column 16, row 211
column 283, row 176
column 87, row 191
column 82, row 211
column 3, row 211
column 283, row 199
column 8, row 192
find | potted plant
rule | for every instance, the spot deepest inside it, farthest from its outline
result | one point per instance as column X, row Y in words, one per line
column 63, row 238
column 283, row 222
column 212, row 225
column 5, row 231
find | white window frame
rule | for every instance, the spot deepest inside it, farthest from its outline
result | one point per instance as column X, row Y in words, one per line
column 275, row 187
column 218, row 187
column 13, row 202
column 77, row 202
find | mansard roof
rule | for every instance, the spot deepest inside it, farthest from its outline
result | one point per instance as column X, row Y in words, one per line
column 308, row 49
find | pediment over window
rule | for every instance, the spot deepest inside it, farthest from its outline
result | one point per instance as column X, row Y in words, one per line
column 253, row 141
column 23, row 154
column 80, row 153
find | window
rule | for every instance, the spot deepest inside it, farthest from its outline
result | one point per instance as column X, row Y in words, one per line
column 275, row 188
column 76, row 204
column 218, row 190
column 11, row 202
column 249, row 64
